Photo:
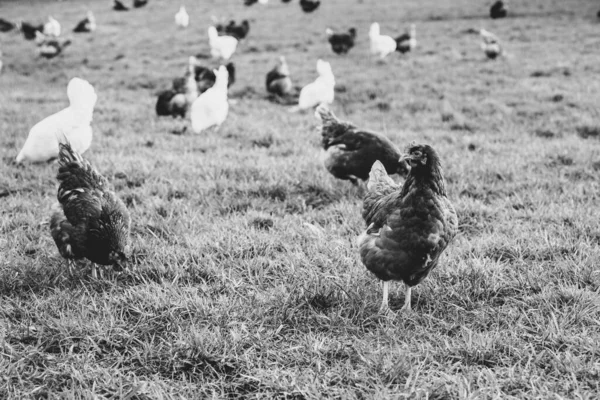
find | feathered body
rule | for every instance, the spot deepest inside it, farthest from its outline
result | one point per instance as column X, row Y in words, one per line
column 52, row 27
column 237, row 31
column 211, row 107
column 6, row 26
column 50, row 46
column 341, row 43
column 206, row 78
column 321, row 91
column 349, row 152
column 498, row 10
column 221, row 46
column 182, row 18
column 74, row 122
column 92, row 222
column 407, row 41
column 410, row 226
column 309, row 6
column 86, row 25
column 381, row 45
column 118, row 6
column 139, row 3
column 490, row 44
column 278, row 80
column 177, row 101
column 29, row 30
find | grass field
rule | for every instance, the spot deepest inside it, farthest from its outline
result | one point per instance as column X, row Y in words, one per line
column 245, row 280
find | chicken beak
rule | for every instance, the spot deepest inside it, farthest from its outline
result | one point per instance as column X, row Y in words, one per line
column 405, row 158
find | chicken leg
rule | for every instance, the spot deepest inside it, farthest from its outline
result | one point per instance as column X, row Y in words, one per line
column 407, row 291
column 385, row 308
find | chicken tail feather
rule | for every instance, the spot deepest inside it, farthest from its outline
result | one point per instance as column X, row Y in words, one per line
column 326, row 116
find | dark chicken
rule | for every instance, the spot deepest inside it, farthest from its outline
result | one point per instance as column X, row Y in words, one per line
column 498, row 10
column 205, row 77
column 91, row 222
column 278, row 79
column 118, row 6
column 350, row 152
column 309, row 6
column 408, row 227
column 29, row 30
column 139, row 3
column 6, row 26
column 86, row 25
column 237, row 31
column 341, row 43
column 177, row 101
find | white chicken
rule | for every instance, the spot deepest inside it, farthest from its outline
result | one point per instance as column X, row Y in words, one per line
column 52, row 27
column 72, row 122
column 490, row 44
column 211, row 107
column 381, row 45
column 221, row 46
column 182, row 18
column 321, row 90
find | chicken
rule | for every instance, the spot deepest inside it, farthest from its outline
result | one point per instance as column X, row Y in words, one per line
column 6, row 26
column 50, row 46
column 118, row 6
column 321, row 91
column 498, row 10
column 237, row 31
column 182, row 18
column 205, row 77
column 341, row 43
column 407, row 41
column 350, row 152
column 381, row 45
column 211, row 107
column 408, row 227
column 490, row 44
column 309, row 6
column 278, row 80
column 176, row 102
column 52, row 27
column 221, row 46
column 86, row 25
column 74, row 122
column 29, row 30
column 91, row 221
column 139, row 3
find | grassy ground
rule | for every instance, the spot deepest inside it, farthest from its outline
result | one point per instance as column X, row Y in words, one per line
column 246, row 281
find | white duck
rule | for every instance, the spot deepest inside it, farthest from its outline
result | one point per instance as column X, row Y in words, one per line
column 321, row 90
column 182, row 18
column 211, row 107
column 72, row 122
column 381, row 45
column 52, row 27
column 221, row 46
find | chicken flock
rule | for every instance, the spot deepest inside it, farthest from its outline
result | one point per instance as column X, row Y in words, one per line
column 408, row 225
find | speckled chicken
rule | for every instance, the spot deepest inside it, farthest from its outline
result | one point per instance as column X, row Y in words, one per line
column 91, row 221
column 408, row 227
column 350, row 152
column 278, row 81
